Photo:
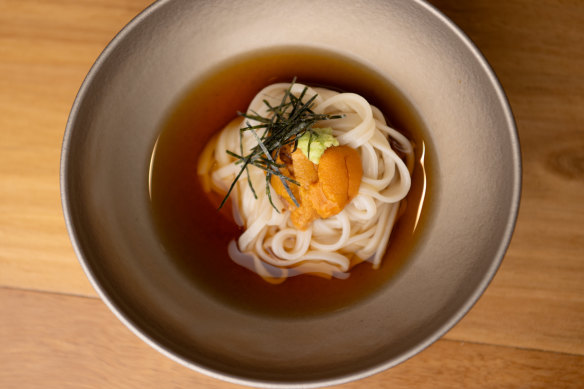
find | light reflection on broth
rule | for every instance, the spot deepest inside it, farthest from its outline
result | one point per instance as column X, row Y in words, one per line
column 197, row 236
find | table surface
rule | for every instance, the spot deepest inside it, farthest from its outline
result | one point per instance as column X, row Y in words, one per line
column 526, row 331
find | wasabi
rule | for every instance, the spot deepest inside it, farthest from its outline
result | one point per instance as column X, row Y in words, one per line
column 320, row 140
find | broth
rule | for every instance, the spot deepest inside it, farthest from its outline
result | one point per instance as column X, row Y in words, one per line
column 196, row 235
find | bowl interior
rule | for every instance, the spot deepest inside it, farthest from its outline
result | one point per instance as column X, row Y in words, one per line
column 106, row 159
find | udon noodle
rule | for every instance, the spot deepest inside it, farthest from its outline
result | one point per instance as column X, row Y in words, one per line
column 270, row 244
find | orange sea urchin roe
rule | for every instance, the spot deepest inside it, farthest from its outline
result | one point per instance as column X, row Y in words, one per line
column 325, row 189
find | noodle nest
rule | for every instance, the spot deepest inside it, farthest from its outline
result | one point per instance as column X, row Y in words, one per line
column 270, row 245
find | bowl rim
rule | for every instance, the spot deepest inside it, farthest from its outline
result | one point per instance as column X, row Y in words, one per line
column 516, row 188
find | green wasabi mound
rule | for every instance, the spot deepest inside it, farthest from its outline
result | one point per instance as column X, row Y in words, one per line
column 321, row 139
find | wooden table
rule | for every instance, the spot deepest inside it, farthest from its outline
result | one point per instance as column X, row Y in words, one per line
column 526, row 331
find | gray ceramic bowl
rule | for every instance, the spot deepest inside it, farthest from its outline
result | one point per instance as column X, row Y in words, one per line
column 117, row 117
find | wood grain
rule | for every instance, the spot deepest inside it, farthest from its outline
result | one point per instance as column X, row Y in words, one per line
column 537, row 50
column 59, row 341
column 46, row 49
column 526, row 331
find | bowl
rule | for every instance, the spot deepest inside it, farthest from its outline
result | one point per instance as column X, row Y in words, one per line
column 474, row 190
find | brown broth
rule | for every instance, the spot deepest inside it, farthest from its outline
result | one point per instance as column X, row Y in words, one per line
column 196, row 235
